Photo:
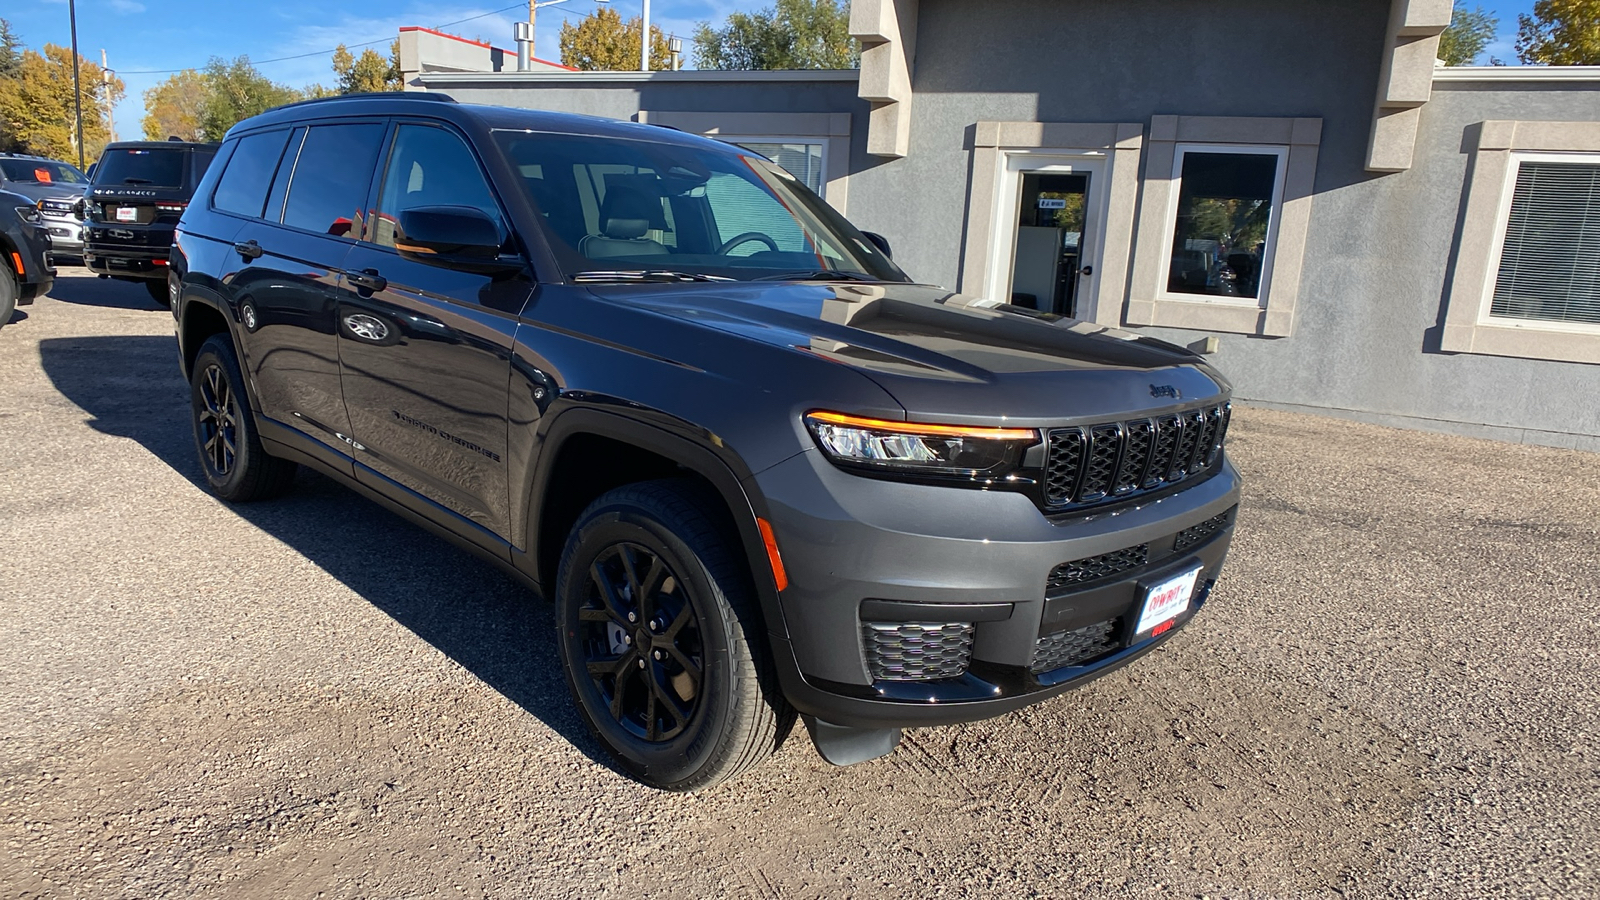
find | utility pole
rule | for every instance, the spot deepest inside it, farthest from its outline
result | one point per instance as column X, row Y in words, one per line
column 77, row 92
column 105, row 78
column 644, row 40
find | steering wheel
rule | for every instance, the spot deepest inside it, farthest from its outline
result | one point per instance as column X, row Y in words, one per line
column 745, row 238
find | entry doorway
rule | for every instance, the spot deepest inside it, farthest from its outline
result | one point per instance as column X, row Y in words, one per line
column 1051, row 205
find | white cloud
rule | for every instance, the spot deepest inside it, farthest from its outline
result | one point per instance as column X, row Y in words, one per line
column 128, row 7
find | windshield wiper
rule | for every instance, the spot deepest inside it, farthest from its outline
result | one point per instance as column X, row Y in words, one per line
column 137, row 181
column 822, row 275
column 649, row 275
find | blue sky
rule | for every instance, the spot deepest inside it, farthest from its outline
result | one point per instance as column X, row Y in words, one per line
column 143, row 35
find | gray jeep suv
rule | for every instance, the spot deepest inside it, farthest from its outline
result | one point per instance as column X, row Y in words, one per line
column 756, row 468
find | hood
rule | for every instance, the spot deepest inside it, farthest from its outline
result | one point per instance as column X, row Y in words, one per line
column 36, row 191
column 950, row 356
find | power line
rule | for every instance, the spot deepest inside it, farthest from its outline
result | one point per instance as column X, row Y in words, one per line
column 262, row 62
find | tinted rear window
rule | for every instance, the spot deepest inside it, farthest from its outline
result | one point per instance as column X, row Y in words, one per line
column 331, row 177
column 157, row 167
column 40, row 171
column 243, row 186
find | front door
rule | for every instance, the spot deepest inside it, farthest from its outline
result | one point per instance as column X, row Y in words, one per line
column 425, row 349
column 1048, row 205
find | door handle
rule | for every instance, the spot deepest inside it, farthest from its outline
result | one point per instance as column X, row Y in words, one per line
column 1086, row 270
column 367, row 280
column 248, row 250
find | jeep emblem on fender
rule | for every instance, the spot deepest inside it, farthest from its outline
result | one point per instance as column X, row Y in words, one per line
column 1165, row 390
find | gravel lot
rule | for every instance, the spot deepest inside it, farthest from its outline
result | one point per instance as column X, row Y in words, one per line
column 1392, row 693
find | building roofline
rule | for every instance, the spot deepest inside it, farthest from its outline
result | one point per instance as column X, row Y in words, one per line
column 484, row 44
column 446, row 79
column 1517, row 73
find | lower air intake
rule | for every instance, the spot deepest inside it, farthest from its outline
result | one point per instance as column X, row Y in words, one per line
column 912, row 651
column 1071, row 648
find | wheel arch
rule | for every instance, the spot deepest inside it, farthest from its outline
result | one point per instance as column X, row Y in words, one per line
column 199, row 319
column 584, row 441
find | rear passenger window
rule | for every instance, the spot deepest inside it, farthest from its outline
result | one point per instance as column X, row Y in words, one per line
column 243, row 186
column 331, row 178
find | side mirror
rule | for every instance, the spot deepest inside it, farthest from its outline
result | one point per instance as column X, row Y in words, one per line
column 879, row 241
column 449, row 236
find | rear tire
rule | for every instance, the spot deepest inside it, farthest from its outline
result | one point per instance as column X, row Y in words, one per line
column 236, row 467
column 159, row 292
column 660, row 635
column 8, row 294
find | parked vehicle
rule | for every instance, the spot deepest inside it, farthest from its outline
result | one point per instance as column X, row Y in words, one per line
column 55, row 187
column 25, row 272
column 140, row 190
column 756, row 468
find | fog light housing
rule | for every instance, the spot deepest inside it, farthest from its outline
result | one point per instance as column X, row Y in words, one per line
column 917, row 651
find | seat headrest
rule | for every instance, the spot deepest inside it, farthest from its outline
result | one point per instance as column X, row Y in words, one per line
column 627, row 213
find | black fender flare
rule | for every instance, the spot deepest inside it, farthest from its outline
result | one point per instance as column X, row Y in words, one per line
column 722, row 470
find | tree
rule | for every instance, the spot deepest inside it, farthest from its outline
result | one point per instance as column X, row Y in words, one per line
column 1560, row 33
column 602, row 42
column 369, row 72
column 36, row 108
column 173, row 107
column 10, row 54
column 236, row 91
column 1469, row 33
column 794, row 34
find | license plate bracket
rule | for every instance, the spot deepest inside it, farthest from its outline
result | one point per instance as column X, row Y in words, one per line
column 1164, row 601
column 127, row 214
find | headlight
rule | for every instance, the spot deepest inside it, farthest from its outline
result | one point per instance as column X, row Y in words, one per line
column 954, row 451
column 29, row 214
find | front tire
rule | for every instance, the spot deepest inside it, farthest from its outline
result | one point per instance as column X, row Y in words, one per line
column 8, row 294
column 661, row 638
column 236, row 467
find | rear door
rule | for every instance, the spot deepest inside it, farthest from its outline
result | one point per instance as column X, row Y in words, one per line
column 426, row 348
column 285, row 285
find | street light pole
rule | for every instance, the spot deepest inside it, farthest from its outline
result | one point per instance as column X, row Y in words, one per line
column 105, row 79
column 77, row 93
column 644, row 40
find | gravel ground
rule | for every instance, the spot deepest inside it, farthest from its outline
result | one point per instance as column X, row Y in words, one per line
column 1392, row 693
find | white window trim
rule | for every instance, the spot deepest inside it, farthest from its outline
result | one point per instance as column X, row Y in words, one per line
column 1002, row 256
column 1259, row 302
column 1272, row 315
column 808, row 140
column 1499, row 147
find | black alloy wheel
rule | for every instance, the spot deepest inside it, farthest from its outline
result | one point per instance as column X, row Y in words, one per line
column 661, row 636
column 235, row 465
column 217, row 421
column 641, row 642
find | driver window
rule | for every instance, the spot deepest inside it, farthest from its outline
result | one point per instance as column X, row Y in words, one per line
column 429, row 167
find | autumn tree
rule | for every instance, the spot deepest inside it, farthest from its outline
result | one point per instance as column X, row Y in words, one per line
column 1560, row 33
column 36, row 105
column 1469, row 33
column 173, row 107
column 794, row 34
column 368, row 73
column 603, row 42
column 10, row 51
column 236, row 91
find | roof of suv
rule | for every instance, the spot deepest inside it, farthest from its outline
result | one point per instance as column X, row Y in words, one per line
column 445, row 107
column 161, row 145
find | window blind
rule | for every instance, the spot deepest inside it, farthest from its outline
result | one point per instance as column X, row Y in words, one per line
column 1550, row 266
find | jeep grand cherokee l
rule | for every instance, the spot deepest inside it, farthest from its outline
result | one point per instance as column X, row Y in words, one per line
column 756, row 468
column 139, row 192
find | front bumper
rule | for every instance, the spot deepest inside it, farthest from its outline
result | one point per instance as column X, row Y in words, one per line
column 66, row 239
column 863, row 554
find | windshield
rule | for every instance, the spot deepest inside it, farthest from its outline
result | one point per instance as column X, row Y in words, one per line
column 614, row 206
column 141, row 165
column 40, row 171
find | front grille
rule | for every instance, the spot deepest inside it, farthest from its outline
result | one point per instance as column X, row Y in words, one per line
column 1113, row 460
column 1196, row 534
column 912, row 651
column 1071, row 648
column 1094, row 568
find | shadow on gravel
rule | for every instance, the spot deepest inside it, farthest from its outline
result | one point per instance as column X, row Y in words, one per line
column 87, row 290
column 470, row 611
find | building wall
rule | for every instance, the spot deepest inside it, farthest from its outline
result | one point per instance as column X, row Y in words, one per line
column 1379, row 246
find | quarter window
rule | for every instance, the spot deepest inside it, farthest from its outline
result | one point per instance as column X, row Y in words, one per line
column 1227, row 203
column 243, row 186
column 1550, row 256
column 331, row 177
column 429, row 166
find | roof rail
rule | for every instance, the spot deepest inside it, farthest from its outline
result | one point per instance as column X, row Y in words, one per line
column 428, row 96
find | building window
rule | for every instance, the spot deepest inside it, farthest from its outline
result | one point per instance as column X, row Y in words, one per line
column 803, row 161
column 1526, row 279
column 1550, row 250
column 1222, row 221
